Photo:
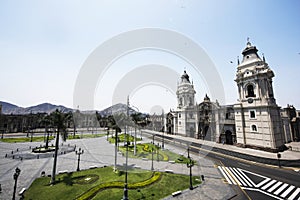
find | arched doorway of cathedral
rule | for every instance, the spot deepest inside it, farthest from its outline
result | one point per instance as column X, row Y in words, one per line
column 228, row 135
column 192, row 132
column 206, row 133
column 169, row 130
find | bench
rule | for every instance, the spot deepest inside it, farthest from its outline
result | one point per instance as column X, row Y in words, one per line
column 174, row 194
column 144, row 158
column 93, row 167
column 21, row 193
column 172, row 161
column 62, row 172
column 169, row 171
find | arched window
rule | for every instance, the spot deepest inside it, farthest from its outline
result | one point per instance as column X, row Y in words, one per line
column 254, row 128
column 180, row 101
column 250, row 91
column 191, row 101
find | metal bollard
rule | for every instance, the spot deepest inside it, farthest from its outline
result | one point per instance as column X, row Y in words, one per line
column 202, row 177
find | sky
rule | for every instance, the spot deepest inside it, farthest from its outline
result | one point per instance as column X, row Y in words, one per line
column 44, row 45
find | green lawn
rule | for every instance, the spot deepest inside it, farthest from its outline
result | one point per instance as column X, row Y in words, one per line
column 74, row 185
column 25, row 139
column 121, row 138
column 145, row 151
column 78, row 136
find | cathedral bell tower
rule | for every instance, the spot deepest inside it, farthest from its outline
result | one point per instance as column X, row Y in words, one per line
column 258, row 121
column 186, row 114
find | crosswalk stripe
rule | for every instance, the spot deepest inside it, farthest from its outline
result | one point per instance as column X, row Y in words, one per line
column 241, row 176
column 264, row 192
column 229, row 176
column 268, row 185
column 249, row 180
column 274, row 186
column 236, row 177
column 234, row 181
column 224, row 174
column 263, row 182
column 293, row 196
column 281, row 188
column 287, row 191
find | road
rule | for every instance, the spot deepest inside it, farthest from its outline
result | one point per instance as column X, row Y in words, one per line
column 254, row 180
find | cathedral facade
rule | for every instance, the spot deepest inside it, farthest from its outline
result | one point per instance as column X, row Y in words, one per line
column 255, row 120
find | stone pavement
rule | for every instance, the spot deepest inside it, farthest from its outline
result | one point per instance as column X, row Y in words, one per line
column 98, row 152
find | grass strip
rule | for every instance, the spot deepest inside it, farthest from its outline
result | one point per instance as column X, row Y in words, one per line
column 93, row 191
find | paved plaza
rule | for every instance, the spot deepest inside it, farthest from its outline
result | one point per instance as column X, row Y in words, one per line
column 98, row 152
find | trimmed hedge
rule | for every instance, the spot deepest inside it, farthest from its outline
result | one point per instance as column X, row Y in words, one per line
column 93, row 191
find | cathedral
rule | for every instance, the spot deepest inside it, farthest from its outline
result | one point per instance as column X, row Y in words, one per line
column 254, row 121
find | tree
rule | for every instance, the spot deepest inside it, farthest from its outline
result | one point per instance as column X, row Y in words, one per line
column 111, row 124
column 47, row 122
column 137, row 118
column 60, row 120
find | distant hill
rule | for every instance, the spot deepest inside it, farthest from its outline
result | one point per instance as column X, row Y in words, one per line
column 8, row 108
column 116, row 109
column 46, row 108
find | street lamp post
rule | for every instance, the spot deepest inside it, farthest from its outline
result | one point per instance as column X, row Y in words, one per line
column 125, row 195
column 16, row 175
column 152, row 168
column 107, row 133
column 134, row 139
column 79, row 152
column 278, row 157
column 157, row 153
column 163, row 139
column 190, row 164
column 116, row 147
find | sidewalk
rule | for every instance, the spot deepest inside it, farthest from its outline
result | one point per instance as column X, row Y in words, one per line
column 98, row 152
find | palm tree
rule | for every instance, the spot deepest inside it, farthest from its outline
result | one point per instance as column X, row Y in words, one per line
column 46, row 121
column 112, row 124
column 60, row 121
column 137, row 118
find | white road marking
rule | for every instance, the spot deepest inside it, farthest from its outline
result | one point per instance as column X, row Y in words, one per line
column 293, row 196
column 241, row 176
column 229, row 175
column 264, row 192
column 268, row 185
column 281, row 188
column 235, row 176
column 224, row 174
column 263, row 182
column 287, row 191
column 274, row 186
column 249, row 180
